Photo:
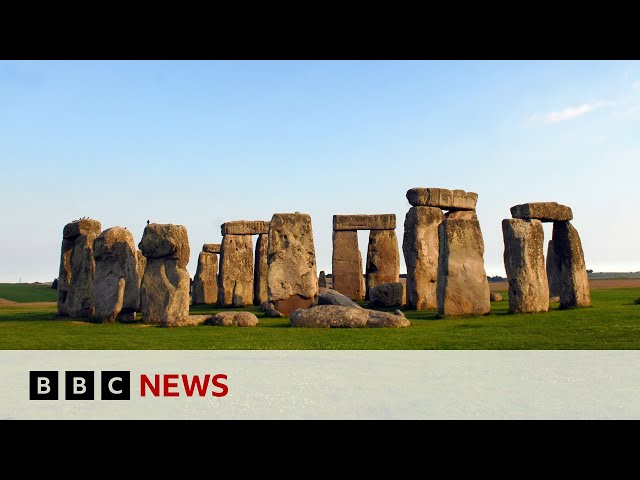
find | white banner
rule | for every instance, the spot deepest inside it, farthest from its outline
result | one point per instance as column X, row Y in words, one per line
column 320, row 384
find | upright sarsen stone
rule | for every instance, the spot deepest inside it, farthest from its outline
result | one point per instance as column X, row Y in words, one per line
column 574, row 281
column 383, row 258
column 205, row 281
column 260, row 270
column 116, row 286
column 525, row 267
column 77, row 269
column 165, row 285
column 420, row 248
column 462, row 287
column 236, row 271
column 346, row 265
column 292, row 279
column 553, row 271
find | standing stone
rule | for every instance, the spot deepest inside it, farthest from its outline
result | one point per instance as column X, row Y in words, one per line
column 346, row 265
column 462, row 288
column 236, row 271
column 553, row 271
column 165, row 285
column 574, row 281
column 205, row 281
column 292, row 279
column 77, row 269
column 420, row 248
column 141, row 264
column 322, row 280
column 116, row 286
column 524, row 264
column 260, row 271
column 383, row 258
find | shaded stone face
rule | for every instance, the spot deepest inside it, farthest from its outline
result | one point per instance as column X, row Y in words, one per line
column 260, row 271
column 420, row 248
column 387, row 295
column 442, row 198
column 543, row 211
column 553, row 271
column 205, row 281
column 212, row 248
column 346, row 265
column 245, row 227
column 386, row 221
column 573, row 278
column 116, row 283
column 322, row 280
column 525, row 267
column 337, row 316
column 462, row 287
column 383, row 258
column 462, row 215
column 166, row 241
column 77, row 269
column 292, row 278
column 235, row 281
column 141, row 261
column 164, row 292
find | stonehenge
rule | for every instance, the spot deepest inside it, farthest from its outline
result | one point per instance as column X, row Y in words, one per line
column 531, row 282
column 383, row 260
column 165, row 285
column 205, row 281
column 292, row 279
column 116, row 283
column 77, row 269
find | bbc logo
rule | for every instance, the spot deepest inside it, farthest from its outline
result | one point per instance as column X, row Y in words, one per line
column 79, row 385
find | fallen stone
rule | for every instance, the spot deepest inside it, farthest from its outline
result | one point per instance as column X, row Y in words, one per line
column 462, row 288
column 212, row 248
column 327, row 296
column 442, row 198
column 337, row 316
column 205, row 281
column 292, row 278
column 260, row 270
column 190, row 321
column 420, row 248
column 346, row 265
column 245, row 227
column 385, row 221
column 269, row 310
column 543, row 211
column 386, row 295
column 383, row 259
column 235, row 280
column 399, row 312
column 574, row 281
column 524, row 265
column 495, row 297
column 232, row 319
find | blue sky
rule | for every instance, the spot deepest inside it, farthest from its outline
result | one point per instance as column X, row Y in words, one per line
column 199, row 143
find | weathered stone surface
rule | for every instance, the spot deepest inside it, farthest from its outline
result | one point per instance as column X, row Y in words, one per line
column 116, row 285
column 386, row 295
column 77, row 269
column 233, row 319
column 553, row 271
column 462, row 288
column 260, row 270
column 337, row 316
column 322, row 280
column 292, row 278
column 543, row 211
column 574, row 281
column 245, row 227
column 167, row 241
column 86, row 226
column 442, row 198
column 346, row 265
column 269, row 310
column 420, row 248
column 235, row 281
column 190, row 321
column 384, row 221
column 212, row 248
column 524, row 264
column 205, row 281
column 383, row 258
column 141, row 264
column 461, row 215
column 164, row 290
column 327, row 296
column 495, row 297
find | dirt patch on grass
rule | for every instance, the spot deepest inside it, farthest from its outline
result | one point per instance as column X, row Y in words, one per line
column 595, row 284
column 4, row 301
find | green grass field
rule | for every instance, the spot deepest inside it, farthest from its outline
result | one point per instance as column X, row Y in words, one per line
column 27, row 292
column 612, row 323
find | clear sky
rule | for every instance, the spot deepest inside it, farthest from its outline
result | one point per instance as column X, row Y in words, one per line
column 199, row 143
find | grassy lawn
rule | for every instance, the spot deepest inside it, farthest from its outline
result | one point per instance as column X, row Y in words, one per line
column 27, row 292
column 612, row 323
